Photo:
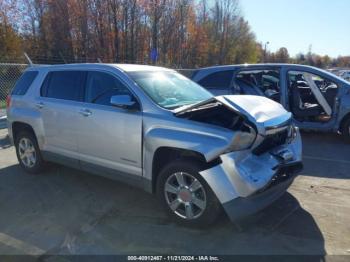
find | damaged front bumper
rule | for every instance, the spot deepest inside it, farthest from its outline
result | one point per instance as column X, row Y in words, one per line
column 245, row 182
column 243, row 206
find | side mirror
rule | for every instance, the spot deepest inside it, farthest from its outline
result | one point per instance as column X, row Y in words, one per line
column 123, row 101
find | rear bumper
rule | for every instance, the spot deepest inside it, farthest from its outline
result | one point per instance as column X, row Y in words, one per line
column 244, row 206
column 10, row 134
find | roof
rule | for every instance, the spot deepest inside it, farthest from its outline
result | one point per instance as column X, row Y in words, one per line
column 122, row 67
column 134, row 67
column 254, row 65
column 203, row 72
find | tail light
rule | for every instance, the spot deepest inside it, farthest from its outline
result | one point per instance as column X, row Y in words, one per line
column 8, row 101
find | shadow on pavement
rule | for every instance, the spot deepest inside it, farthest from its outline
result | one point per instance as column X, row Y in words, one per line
column 325, row 155
column 325, row 136
column 66, row 211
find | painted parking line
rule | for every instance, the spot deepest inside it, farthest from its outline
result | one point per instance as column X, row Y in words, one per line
column 20, row 245
column 340, row 161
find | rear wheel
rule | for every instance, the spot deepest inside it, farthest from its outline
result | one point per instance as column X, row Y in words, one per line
column 185, row 195
column 346, row 130
column 28, row 152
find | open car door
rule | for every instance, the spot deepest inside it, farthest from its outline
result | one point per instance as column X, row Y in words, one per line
column 317, row 93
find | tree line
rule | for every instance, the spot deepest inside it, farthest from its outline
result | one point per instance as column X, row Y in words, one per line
column 310, row 58
column 174, row 33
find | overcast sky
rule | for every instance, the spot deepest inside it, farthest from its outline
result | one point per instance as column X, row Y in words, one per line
column 297, row 24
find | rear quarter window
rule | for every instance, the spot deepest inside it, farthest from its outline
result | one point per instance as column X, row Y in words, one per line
column 218, row 80
column 24, row 82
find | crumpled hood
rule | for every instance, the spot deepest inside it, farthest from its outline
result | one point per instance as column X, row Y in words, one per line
column 258, row 108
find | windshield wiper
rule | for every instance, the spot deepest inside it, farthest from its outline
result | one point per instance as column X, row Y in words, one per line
column 182, row 105
column 185, row 108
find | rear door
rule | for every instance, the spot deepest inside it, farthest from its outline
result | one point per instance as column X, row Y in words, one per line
column 110, row 137
column 260, row 82
column 60, row 99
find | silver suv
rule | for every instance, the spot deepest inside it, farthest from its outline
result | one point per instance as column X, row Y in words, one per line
column 156, row 129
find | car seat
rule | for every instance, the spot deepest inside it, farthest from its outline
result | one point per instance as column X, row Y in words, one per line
column 299, row 108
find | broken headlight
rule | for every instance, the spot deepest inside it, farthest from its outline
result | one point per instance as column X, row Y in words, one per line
column 243, row 139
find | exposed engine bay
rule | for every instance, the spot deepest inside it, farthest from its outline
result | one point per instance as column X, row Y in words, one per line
column 216, row 113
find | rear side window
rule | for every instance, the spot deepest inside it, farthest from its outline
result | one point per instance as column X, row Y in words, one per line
column 220, row 79
column 67, row 85
column 24, row 83
column 100, row 87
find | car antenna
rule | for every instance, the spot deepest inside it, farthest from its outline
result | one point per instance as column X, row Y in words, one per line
column 28, row 58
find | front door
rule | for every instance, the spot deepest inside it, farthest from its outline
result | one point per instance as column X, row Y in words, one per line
column 110, row 138
column 312, row 98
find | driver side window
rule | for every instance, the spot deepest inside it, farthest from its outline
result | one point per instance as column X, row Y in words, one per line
column 100, row 87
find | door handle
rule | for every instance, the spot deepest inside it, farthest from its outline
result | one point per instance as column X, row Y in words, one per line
column 85, row 112
column 40, row 105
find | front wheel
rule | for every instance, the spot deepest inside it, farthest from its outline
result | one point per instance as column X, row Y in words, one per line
column 185, row 195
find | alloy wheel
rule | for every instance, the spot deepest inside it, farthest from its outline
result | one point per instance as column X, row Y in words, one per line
column 185, row 195
column 27, row 152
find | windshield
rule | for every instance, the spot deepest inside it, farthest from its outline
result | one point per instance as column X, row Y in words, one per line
column 334, row 76
column 170, row 90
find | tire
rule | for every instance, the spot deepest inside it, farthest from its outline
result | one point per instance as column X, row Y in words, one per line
column 346, row 130
column 199, row 198
column 28, row 153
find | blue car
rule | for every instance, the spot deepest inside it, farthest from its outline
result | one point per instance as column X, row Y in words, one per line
column 318, row 99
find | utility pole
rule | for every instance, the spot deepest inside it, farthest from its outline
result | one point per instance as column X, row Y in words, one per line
column 265, row 50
